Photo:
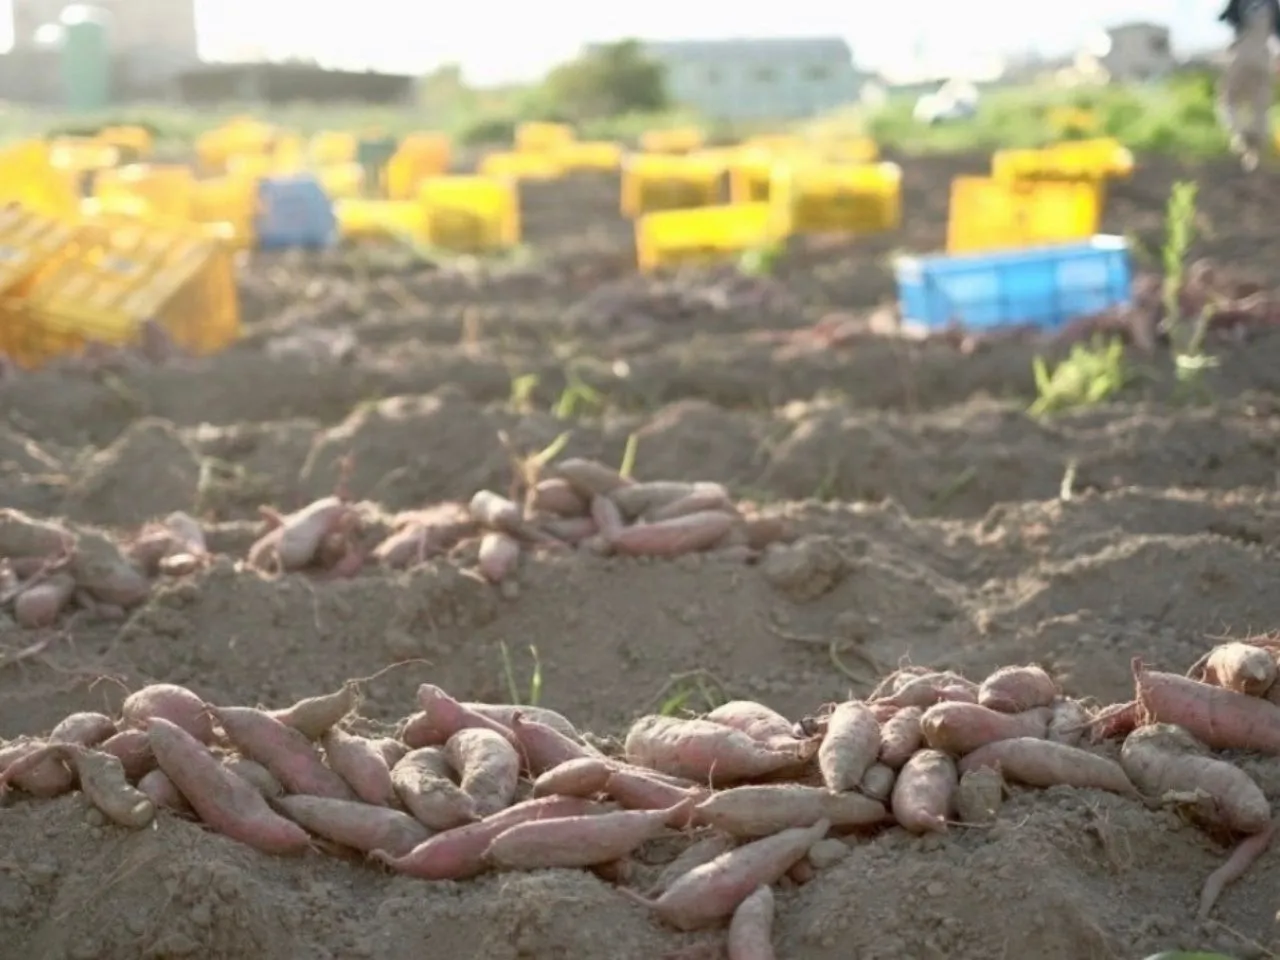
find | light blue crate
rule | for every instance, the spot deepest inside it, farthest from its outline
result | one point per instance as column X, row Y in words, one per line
column 1042, row 286
column 294, row 211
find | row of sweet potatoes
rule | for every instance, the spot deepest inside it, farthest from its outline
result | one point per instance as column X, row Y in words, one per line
column 466, row 787
column 47, row 568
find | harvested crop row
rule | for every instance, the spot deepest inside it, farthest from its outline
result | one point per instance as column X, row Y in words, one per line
column 47, row 568
column 468, row 788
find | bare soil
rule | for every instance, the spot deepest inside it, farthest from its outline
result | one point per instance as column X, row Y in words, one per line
column 933, row 528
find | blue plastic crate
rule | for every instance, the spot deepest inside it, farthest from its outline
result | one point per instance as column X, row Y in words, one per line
column 1043, row 286
column 294, row 211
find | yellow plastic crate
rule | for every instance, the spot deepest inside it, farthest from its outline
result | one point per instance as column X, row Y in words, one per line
column 655, row 181
column 165, row 188
column 589, row 155
column 288, row 154
column 134, row 143
column 419, row 156
column 252, row 166
column 240, row 136
column 82, row 154
column 119, row 274
column 27, row 177
column 227, row 200
column 470, row 214
column 751, row 174
column 673, row 140
column 536, row 137
column 341, row 180
column 27, row 242
column 1073, row 160
column 332, row 148
column 989, row 214
column 777, row 143
column 849, row 150
column 707, row 234
column 521, row 166
column 360, row 219
column 840, row 198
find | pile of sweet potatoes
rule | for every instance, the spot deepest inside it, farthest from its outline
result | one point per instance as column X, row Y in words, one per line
column 465, row 788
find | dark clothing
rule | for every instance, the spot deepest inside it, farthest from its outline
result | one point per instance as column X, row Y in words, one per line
column 1234, row 14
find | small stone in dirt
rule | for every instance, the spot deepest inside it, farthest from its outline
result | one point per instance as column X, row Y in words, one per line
column 980, row 795
column 805, row 570
column 827, row 853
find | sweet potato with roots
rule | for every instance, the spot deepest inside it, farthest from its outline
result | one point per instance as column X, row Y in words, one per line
column 850, row 745
column 709, row 893
column 442, row 716
column 100, row 776
column 556, row 496
column 170, row 702
column 925, row 689
column 361, row 765
column 1221, row 719
column 1068, row 722
column 578, row 841
column 133, row 749
column 45, row 776
column 258, row 776
column 960, row 728
column 703, row 497
column 295, row 539
column 1043, row 763
column 543, row 747
column 1166, row 763
column 1242, row 667
column 164, row 793
column 86, row 729
column 703, row 850
column 751, row 928
column 504, row 713
column 488, row 768
column 286, row 752
column 222, row 800
column 314, row 716
column 423, row 781
column 754, row 719
column 1017, row 689
column 41, row 604
column 924, row 793
column 359, row 826
column 900, row 737
column 458, row 853
column 691, row 533
column 877, row 783
column 499, row 555
column 635, row 789
column 708, row 752
column 584, row 777
column 607, row 518
column 759, row 810
column 588, row 477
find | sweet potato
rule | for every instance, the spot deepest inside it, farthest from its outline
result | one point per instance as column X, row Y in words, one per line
column 1017, row 689
column 1241, row 859
column 925, row 689
column 543, row 747
column 499, row 554
column 86, row 729
column 361, row 765
column 584, row 777
column 1166, row 763
column 503, row 713
column 103, row 782
column 570, row 530
column 163, row 792
column 442, row 717
column 607, row 518
column 424, row 784
column 703, row 751
column 1237, row 666
column 258, row 776
column 286, row 752
column 497, row 513
column 556, row 496
column 40, row 604
column 458, row 854
column 172, row 702
column 222, row 800
column 640, row 498
column 1068, row 722
column 313, row 716
column 588, row 477
column 1043, row 763
column 877, row 782
column 488, row 768
column 959, row 728
column 708, row 893
column 759, row 810
column 980, row 795
column 924, row 793
column 392, row 751
column 850, row 745
column 1220, row 719
column 754, row 719
column 30, row 767
column 133, row 749
column 300, row 534
column 703, row 497
column 359, row 826
column 900, row 737
column 751, row 929
column 634, row 789
column 703, row 850
column 674, row 538
column 578, row 841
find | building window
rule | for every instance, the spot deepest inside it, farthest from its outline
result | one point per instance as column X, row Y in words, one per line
column 817, row 74
column 1159, row 45
column 766, row 75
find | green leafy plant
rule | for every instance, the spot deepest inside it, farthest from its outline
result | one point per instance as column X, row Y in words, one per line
column 1091, row 374
column 1186, row 335
column 533, row 696
column 760, row 261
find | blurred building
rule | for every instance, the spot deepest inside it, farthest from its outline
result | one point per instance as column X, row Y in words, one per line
column 768, row 79
column 1129, row 52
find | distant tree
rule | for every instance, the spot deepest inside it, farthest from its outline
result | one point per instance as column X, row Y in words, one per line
column 612, row 79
